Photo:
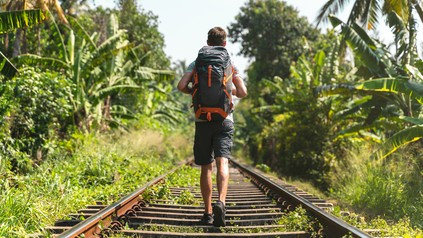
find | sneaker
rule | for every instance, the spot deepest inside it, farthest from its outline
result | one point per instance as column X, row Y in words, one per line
column 219, row 212
column 207, row 219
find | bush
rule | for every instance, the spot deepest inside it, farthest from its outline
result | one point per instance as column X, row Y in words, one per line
column 34, row 110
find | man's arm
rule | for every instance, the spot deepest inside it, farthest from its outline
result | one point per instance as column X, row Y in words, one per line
column 183, row 83
column 240, row 89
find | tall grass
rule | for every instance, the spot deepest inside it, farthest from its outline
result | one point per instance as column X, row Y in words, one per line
column 86, row 169
column 390, row 190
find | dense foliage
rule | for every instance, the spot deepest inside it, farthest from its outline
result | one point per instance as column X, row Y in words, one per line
column 319, row 104
column 344, row 90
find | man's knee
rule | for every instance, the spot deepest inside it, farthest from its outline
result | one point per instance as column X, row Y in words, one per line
column 207, row 167
column 221, row 162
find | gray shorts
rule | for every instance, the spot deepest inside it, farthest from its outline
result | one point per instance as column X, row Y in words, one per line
column 212, row 140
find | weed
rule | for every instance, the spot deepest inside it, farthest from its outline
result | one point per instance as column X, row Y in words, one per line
column 187, row 198
column 299, row 220
column 100, row 168
column 263, row 167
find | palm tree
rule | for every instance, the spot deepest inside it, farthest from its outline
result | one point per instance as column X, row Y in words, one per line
column 390, row 89
column 368, row 12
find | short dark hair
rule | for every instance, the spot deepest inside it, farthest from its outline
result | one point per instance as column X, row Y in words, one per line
column 216, row 36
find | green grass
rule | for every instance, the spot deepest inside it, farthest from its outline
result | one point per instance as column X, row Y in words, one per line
column 87, row 169
column 388, row 192
column 187, row 176
column 385, row 195
column 299, row 220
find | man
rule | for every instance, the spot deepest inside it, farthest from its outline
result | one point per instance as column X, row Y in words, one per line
column 213, row 140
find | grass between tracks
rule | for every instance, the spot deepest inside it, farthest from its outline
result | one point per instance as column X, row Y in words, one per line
column 187, row 176
column 87, row 169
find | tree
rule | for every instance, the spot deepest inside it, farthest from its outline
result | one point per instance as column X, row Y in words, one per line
column 367, row 13
column 142, row 27
column 273, row 34
column 388, row 94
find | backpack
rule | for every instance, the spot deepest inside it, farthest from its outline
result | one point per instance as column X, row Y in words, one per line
column 212, row 84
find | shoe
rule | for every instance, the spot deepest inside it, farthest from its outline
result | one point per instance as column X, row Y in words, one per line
column 207, row 219
column 219, row 212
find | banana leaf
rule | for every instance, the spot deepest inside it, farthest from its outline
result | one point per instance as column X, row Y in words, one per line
column 380, row 85
column 45, row 62
column 7, row 68
column 393, row 85
column 399, row 139
column 413, row 120
column 12, row 20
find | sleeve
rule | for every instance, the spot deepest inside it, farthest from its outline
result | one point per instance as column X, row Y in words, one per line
column 190, row 67
column 237, row 73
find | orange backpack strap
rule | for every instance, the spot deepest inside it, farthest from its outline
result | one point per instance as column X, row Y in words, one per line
column 209, row 74
column 227, row 78
column 209, row 111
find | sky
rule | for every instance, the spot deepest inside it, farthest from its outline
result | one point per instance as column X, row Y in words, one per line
column 185, row 23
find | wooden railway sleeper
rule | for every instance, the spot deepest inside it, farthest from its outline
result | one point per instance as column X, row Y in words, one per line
column 279, row 196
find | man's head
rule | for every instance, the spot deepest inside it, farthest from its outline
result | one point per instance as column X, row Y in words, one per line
column 216, row 37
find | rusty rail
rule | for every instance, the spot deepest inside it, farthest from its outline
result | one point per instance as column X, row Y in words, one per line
column 251, row 211
column 92, row 226
column 333, row 226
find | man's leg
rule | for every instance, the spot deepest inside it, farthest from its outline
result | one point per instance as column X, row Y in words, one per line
column 222, row 177
column 206, row 186
column 219, row 210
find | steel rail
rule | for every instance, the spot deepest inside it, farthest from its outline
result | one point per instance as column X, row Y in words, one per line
column 332, row 226
column 92, row 226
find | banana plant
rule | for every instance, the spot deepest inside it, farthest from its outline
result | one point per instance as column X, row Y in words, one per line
column 390, row 87
column 99, row 73
column 84, row 64
column 10, row 21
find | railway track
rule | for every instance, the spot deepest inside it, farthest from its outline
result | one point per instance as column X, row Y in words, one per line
column 257, row 206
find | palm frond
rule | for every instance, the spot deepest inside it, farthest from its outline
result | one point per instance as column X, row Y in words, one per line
column 336, row 89
column 122, row 111
column 330, row 7
column 357, row 11
column 417, row 4
column 412, row 120
column 394, row 85
column 354, row 106
column 371, row 13
column 397, row 26
column 80, row 31
column 399, row 7
column 354, row 130
column 12, row 20
column 104, row 55
column 399, row 139
column 412, row 36
column 40, row 61
column 147, row 73
column 108, row 90
column 319, row 60
column 6, row 67
column 379, row 86
column 275, row 85
column 364, row 48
